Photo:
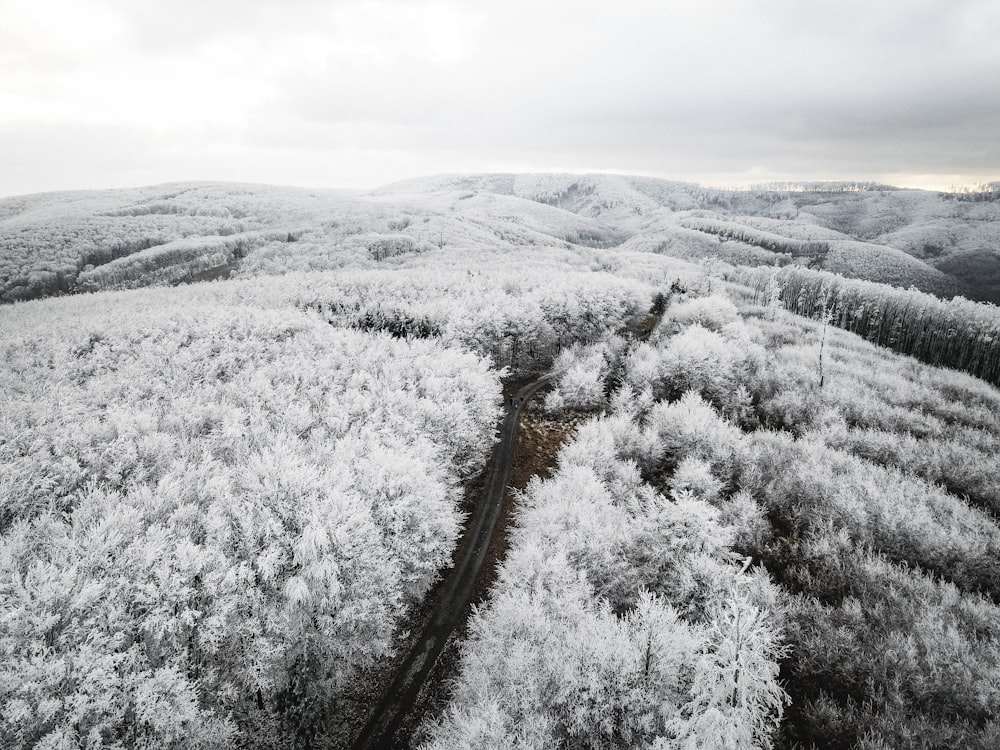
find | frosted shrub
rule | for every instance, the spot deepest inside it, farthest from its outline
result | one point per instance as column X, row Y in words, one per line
column 630, row 403
column 686, row 428
column 787, row 393
column 698, row 359
column 737, row 700
column 580, row 387
column 693, row 477
column 642, row 366
column 712, row 312
column 390, row 246
column 585, row 372
column 581, row 384
column 602, row 446
column 751, row 529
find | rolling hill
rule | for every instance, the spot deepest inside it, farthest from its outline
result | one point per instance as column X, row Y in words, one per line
column 58, row 243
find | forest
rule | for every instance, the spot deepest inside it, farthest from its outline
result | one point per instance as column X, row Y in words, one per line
column 729, row 550
column 214, row 516
column 955, row 333
column 220, row 501
column 772, row 521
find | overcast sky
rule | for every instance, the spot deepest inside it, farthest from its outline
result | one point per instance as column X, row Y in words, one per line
column 345, row 93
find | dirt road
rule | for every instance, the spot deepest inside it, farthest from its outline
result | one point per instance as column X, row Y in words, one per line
column 401, row 693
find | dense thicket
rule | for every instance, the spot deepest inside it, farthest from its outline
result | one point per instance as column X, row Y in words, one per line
column 518, row 318
column 269, row 467
column 881, row 532
column 621, row 618
column 212, row 518
column 870, row 500
column 42, row 259
column 689, row 244
column 887, row 537
column 955, row 333
column 169, row 262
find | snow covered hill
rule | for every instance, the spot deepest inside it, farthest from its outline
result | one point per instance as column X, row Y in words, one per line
column 78, row 241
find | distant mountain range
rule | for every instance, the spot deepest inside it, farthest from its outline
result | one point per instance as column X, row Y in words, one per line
column 52, row 243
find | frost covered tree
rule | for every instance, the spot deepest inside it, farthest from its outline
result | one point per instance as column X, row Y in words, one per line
column 215, row 516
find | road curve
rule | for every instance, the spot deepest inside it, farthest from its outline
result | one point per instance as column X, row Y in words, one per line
column 399, row 696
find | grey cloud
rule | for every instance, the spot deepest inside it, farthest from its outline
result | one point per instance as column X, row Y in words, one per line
column 839, row 89
column 182, row 24
column 42, row 156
